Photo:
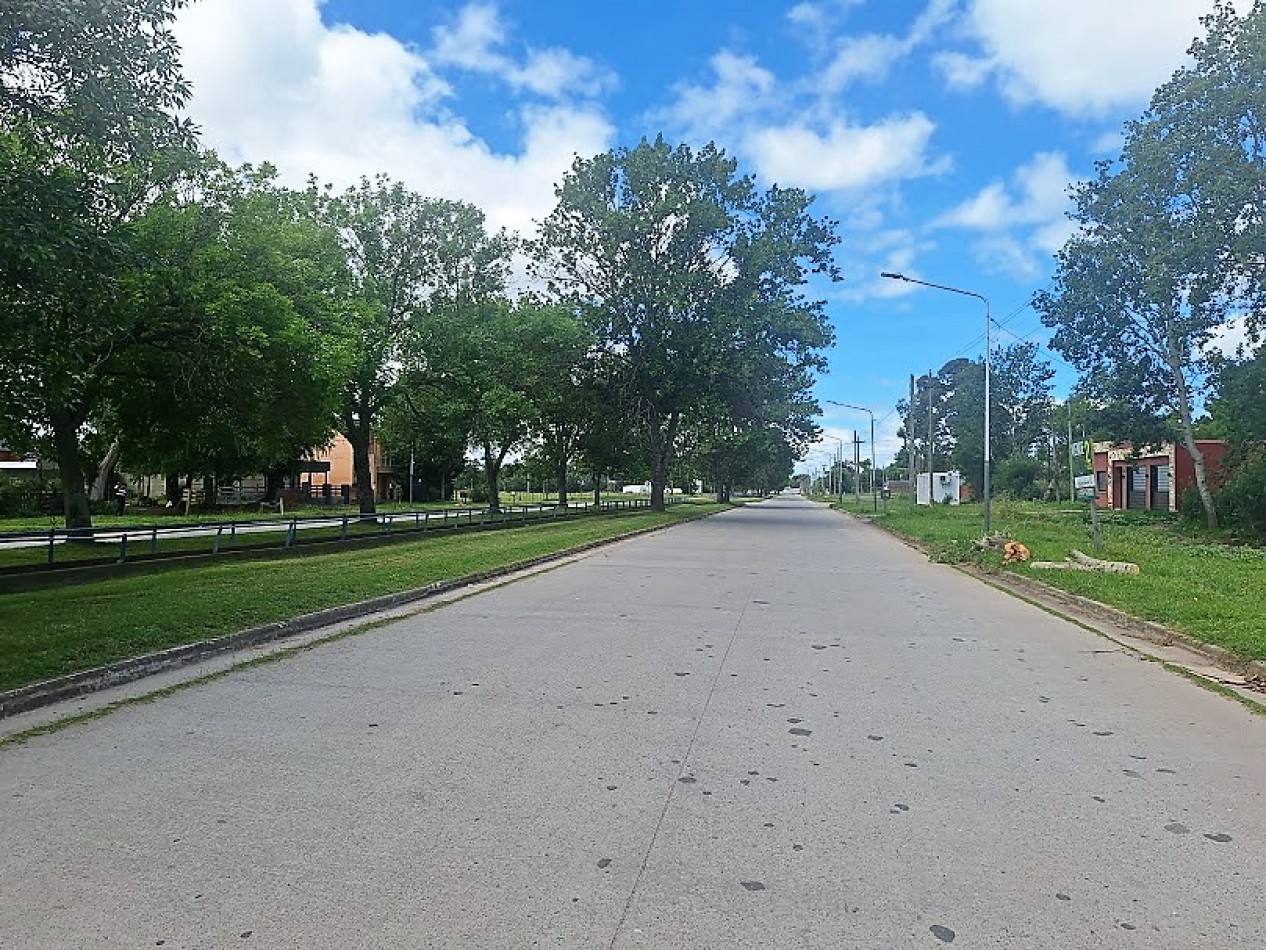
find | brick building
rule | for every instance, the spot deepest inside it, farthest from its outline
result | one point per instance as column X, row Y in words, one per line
column 1151, row 478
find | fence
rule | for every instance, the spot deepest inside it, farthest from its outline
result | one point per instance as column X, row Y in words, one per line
column 24, row 551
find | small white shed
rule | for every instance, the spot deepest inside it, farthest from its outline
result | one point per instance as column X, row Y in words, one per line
column 938, row 488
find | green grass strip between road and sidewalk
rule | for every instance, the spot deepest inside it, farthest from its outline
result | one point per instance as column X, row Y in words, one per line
column 1197, row 582
column 49, row 633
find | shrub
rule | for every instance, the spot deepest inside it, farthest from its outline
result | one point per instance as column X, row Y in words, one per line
column 1019, row 478
column 1241, row 502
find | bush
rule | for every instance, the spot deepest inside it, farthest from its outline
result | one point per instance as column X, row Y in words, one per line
column 1241, row 502
column 1019, row 478
column 1190, row 507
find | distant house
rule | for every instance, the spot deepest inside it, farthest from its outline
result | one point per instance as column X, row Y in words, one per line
column 1151, row 478
column 333, row 467
column 16, row 465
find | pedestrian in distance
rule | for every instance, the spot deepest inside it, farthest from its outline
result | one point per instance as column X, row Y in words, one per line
column 120, row 498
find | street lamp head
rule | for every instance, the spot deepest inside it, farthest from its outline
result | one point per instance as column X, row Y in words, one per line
column 892, row 276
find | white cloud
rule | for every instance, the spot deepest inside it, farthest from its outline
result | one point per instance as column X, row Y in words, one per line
column 1005, row 254
column 1039, row 194
column 891, row 251
column 845, row 156
column 739, row 89
column 818, row 18
column 868, row 57
column 472, row 39
column 1020, row 220
column 1080, row 56
column 1109, row 143
column 961, row 71
column 273, row 82
column 475, row 41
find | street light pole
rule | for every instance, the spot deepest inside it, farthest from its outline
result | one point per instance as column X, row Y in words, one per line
column 988, row 367
column 873, row 497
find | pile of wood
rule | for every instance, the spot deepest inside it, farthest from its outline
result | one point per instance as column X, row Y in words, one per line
column 1077, row 561
column 1012, row 551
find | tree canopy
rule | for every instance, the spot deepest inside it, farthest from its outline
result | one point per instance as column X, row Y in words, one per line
column 1168, row 249
column 684, row 269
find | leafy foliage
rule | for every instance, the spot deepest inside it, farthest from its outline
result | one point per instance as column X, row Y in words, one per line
column 1169, row 246
column 409, row 257
column 687, row 273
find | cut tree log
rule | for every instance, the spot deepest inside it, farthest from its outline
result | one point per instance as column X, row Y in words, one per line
column 1112, row 567
column 1079, row 561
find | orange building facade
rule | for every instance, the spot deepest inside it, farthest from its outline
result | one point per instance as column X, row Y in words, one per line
column 331, row 470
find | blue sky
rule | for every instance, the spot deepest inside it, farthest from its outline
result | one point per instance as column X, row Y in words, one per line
column 941, row 134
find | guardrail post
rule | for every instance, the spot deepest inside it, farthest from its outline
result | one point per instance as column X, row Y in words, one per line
column 153, row 540
column 122, row 548
column 290, row 533
column 52, row 541
column 343, row 531
column 215, row 545
column 233, row 534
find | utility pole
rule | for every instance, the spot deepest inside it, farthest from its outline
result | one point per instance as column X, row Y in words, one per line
column 909, row 435
column 1072, row 481
column 857, row 468
column 931, row 452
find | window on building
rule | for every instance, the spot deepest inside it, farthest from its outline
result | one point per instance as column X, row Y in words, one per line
column 1101, row 482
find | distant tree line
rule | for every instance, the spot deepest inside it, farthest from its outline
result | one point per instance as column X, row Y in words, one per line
column 167, row 313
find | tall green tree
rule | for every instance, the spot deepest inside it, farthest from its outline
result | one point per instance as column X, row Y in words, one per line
column 89, row 91
column 1019, row 406
column 678, row 263
column 253, row 289
column 1168, row 249
column 409, row 257
column 1238, row 404
column 567, row 394
column 498, row 363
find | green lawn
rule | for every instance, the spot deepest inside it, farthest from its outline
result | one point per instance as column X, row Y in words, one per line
column 52, row 632
column 1190, row 580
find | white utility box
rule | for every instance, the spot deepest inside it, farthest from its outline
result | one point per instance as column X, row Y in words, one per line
column 939, row 488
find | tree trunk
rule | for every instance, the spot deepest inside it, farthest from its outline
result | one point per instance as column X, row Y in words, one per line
column 1189, row 433
column 208, row 491
column 171, row 489
column 101, row 487
column 75, row 507
column 597, row 488
column 661, row 458
column 272, row 485
column 562, row 479
column 359, row 436
column 492, row 472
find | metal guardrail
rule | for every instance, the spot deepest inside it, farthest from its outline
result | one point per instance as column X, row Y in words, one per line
column 123, row 543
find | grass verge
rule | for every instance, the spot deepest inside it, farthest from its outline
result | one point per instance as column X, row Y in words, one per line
column 1189, row 580
column 53, row 632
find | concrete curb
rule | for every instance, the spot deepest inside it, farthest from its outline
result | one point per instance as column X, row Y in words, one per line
column 45, row 693
column 1252, row 670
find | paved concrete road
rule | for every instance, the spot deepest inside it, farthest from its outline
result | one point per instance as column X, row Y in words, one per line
column 776, row 728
